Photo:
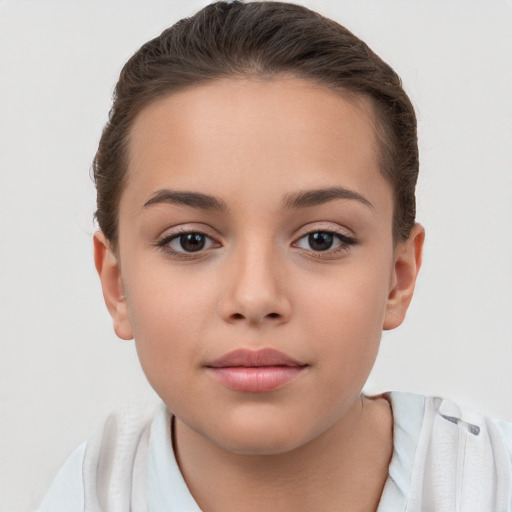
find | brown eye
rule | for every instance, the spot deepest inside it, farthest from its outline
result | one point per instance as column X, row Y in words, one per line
column 320, row 241
column 183, row 243
column 192, row 242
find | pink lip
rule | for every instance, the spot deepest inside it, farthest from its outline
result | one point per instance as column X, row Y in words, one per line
column 257, row 371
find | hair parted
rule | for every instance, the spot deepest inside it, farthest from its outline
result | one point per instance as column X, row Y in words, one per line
column 259, row 39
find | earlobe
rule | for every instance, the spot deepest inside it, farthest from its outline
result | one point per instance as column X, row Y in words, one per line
column 407, row 264
column 107, row 266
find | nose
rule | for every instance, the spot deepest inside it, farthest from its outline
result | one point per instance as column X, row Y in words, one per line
column 255, row 289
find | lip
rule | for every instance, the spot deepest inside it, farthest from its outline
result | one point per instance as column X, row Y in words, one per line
column 255, row 371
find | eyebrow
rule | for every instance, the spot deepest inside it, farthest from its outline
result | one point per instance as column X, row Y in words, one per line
column 305, row 199
column 192, row 199
column 320, row 196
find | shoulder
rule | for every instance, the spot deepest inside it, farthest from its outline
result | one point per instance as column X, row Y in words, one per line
column 505, row 427
column 67, row 491
column 110, row 465
column 462, row 459
column 476, row 436
column 439, row 418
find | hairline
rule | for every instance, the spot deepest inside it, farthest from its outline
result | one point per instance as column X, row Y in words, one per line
column 363, row 101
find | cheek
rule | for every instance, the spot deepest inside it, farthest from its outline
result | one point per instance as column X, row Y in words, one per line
column 345, row 315
column 351, row 303
column 168, row 318
column 347, row 337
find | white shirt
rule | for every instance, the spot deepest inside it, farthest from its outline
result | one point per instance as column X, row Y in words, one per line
column 445, row 459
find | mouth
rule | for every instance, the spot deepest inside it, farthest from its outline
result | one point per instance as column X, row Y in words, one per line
column 255, row 371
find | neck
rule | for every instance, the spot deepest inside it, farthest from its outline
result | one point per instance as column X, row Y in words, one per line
column 344, row 468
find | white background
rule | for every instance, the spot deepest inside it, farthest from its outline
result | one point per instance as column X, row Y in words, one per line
column 61, row 367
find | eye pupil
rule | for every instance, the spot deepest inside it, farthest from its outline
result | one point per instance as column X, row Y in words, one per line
column 192, row 242
column 320, row 241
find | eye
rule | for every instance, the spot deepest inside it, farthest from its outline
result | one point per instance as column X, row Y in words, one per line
column 321, row 241
column 186, row 242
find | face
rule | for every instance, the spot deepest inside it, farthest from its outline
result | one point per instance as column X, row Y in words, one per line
column 256, row 267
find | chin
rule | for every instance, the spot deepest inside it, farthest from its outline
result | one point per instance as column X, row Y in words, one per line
column 264, row 444
column 260, row 436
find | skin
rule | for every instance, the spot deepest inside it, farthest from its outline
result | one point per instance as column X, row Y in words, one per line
column 315, row 443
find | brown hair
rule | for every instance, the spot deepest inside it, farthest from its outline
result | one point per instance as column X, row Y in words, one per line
column 228, row 39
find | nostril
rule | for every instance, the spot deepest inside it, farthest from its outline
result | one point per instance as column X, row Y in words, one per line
column 238, row 316
column 273, row 315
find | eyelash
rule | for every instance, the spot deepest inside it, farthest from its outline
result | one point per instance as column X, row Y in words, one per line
column 163, row 244
column 344, row 240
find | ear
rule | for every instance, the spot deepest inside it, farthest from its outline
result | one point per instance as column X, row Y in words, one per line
column 107, row 266
column 407, row 263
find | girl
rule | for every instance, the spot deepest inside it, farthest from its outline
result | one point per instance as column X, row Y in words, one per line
column 255, row 187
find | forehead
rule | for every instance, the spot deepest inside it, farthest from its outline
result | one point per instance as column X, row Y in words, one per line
column 261, row 134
